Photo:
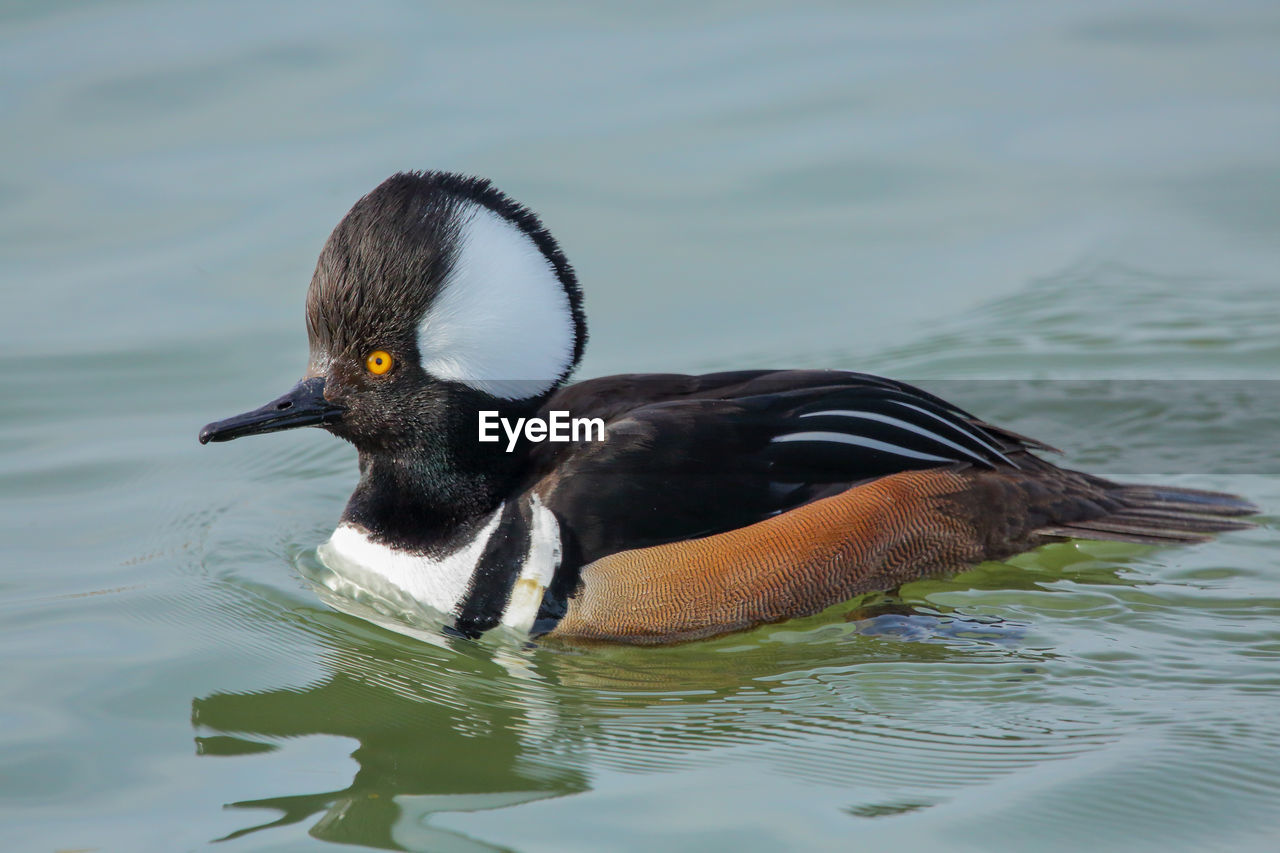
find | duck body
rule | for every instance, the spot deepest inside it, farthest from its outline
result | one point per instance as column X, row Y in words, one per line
column 698, row 505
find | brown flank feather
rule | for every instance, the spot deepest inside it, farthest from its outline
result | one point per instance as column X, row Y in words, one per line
column 874, row 536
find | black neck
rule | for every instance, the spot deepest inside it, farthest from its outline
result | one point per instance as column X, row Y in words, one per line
column 431, row 496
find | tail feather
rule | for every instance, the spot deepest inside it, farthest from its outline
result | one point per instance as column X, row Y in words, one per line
column 1160, row 515
column 1164, row 519
column 1177, row 498
column 1085, row 530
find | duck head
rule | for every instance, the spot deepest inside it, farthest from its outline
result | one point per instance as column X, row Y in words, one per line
column 436, row 296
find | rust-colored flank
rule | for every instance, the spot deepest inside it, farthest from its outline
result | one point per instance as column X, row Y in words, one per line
column 873, row 536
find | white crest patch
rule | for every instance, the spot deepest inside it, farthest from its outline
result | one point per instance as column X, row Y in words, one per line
column 502, row 322
column 403, row 577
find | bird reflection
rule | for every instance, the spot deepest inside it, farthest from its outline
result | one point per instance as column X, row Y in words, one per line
column 421, row 750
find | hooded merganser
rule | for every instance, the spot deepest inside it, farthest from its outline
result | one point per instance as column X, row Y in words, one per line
column 704, row 504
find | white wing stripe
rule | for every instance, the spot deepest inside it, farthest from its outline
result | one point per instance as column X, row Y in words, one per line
column 885, row 419
column 994, row 450
column 861, row 441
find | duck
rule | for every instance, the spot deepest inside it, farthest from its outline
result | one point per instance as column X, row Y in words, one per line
column 444, row 323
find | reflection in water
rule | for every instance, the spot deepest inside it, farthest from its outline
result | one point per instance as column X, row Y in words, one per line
column 887, row 698
column 409, row 747
column 427, row 743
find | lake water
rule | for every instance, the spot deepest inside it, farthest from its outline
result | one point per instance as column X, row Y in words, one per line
column 933, row 190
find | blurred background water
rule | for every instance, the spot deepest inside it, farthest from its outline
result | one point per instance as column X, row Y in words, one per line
column 934, row 190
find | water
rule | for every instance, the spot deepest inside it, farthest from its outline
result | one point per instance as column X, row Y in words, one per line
column 931, row 190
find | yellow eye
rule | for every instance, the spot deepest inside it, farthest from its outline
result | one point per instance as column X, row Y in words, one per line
column 378, row 362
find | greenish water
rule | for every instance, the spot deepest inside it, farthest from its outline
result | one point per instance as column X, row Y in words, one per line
column 933, row 190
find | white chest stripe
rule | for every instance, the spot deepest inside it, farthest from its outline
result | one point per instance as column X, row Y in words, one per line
column 412, row 581
column 539, row 567
column 394, row 575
